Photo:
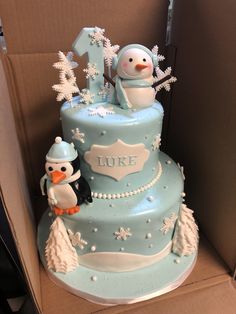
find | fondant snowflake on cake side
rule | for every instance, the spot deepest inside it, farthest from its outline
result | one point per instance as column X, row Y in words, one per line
column 76, row 239
column 101, row 111
column 77, row 135
column 97, row 36
column 168, row 223
column 157, row 142
column 86, row 97
column 91, row 71
column 123, row 234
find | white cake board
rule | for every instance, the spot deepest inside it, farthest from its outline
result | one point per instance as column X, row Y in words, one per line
column 110, row 288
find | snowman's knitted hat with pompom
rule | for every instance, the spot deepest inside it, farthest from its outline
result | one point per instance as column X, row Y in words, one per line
column 61, row 151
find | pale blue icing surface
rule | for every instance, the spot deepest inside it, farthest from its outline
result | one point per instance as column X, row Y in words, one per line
column 130, row 126
column 143, row 214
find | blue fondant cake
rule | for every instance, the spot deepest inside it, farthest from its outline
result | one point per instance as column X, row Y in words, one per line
column 116, row 201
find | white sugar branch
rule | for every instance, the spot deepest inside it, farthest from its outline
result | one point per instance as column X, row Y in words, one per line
column 109, row 52
column 168, row 223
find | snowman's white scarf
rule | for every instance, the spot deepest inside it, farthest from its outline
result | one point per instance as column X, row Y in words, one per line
column 72, row 178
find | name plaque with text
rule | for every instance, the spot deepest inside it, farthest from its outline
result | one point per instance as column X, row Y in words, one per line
column 117, row 160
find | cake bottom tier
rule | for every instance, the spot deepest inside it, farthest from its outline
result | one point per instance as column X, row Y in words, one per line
column 111, row 288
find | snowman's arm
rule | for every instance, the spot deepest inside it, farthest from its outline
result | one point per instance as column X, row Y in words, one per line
column 109, row 79
column 167, row 77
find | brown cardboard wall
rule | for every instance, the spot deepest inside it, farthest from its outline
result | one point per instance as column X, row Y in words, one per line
column 202, row 127
column 14, row 193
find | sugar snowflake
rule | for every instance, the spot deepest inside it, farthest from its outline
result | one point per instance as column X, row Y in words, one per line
column 161, row 75
column 106, row 92
column 122, row 234
column 66, row 88
column 156, row 143
column 101, row 111
column 109, row 52
column 97, row 36
column 168, row 223
column 76, row 239
column 86, row 97
column 91, row 71
column 155, row 52
column 77, row 135
column 64, row 65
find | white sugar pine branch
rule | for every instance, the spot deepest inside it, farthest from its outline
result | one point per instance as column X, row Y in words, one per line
column 109, row 51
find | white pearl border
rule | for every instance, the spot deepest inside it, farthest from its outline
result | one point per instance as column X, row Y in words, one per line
column 130, row 193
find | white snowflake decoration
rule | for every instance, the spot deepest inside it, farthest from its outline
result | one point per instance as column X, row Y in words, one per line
column 156, row 143
column 91, row 71
column 64, row 65
column 97, row 37
column 76, row 239
column 66, row 88
column 122, row 234
column 86, row 97
column 106, row 92
column 168, row 223
column 161, row 75
column 109, row 52
column 155, row 52
column 77, row 135
column 181, row 168
column 101, row 111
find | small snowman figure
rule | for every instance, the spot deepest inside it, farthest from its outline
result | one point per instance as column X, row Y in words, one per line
column 66, row 188
column 134, row 65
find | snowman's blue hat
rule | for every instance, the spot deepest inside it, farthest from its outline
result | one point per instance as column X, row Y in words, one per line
column 124, row 49
column 61, row 151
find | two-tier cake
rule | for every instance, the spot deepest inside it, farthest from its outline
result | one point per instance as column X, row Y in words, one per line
column 117, row 230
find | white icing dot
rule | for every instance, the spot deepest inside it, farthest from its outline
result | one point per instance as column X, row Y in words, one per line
column 150, row 198
column 148, row 236
column 91, row 178
column 94, row 278
column 113, row 196
column 109, row 196
column 122, row 195
column 150, row 245
column 127, row 194
column 95, row 229
column 183, row 194
column 165, row 187
column 168, row 162
column 104, row 196
column 111, row 205
column 128, row 184
column 146, row 137
column 95, row 194
column 103, row 132
column 149, row 220
column 50, row 214
column 177, row 261
column 99, row 195
column 93, row 248
column 122, row 249
column 118, row 195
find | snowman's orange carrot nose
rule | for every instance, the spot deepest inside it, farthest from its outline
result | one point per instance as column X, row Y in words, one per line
column 57, row 176
column 140, row 67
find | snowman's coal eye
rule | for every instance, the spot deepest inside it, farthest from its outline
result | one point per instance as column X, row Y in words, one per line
column 130, row 59
column 144, row 60
column 50, row 168
column 63, row 169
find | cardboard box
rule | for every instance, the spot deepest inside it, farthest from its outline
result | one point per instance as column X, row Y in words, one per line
column 199, row 131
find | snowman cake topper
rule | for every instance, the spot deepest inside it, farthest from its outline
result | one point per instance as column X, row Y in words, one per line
column 133, row 86
column 65, row 187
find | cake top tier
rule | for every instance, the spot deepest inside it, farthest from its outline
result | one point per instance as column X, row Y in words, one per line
column 123, row 78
